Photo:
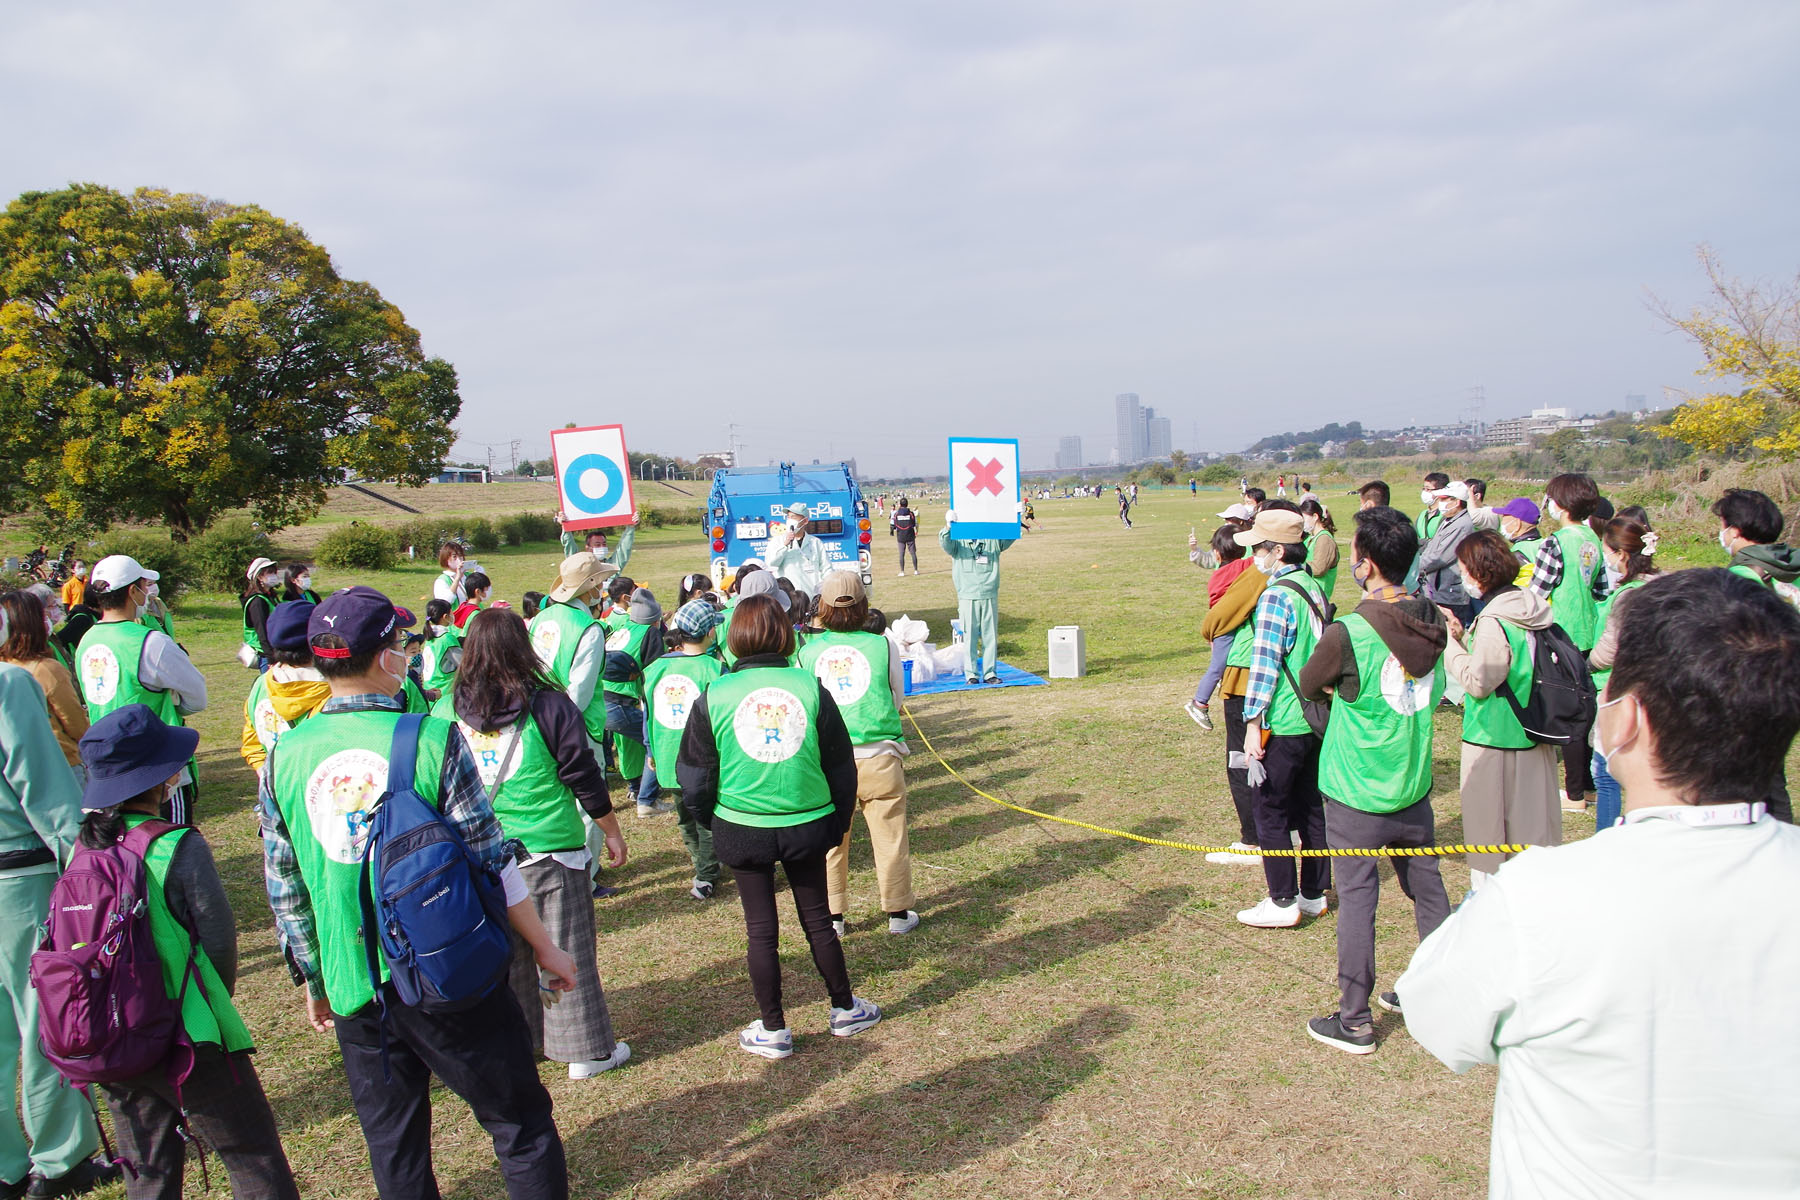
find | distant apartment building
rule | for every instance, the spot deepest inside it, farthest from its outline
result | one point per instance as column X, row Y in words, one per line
column 1159, row 435
column 1128, row 427
column 1068, row 454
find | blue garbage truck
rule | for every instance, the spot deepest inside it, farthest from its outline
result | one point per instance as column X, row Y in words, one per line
column 749, row 504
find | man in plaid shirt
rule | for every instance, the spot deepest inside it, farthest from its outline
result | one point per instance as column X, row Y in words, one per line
column 1290, row 618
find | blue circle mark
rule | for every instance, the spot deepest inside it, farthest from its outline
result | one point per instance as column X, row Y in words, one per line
column 615, row 483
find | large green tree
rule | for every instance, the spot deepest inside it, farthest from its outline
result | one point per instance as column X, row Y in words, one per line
column 170, row 357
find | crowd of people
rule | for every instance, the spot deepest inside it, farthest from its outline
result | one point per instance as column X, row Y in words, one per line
column 763, row 710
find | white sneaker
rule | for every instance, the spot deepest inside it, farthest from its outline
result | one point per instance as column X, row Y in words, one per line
column 1225, row 857
column 853, row 1020
column 769, row 1043
column 656, row 808
column 1270, row 915
column 1313, row 908
column 905, row 924
column 595, row 1066
column 903, row 574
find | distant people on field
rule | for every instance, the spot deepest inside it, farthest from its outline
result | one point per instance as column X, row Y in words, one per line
column 262, row 592
column 904, row 525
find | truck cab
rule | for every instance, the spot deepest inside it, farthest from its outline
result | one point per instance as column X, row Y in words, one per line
column 748, row 504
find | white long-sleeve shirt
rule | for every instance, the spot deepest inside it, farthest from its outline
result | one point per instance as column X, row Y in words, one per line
column 164, row 666
column 1636, row 990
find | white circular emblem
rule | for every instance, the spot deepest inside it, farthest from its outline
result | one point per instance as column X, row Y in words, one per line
column 674, row 699
column 339, row 797
column 770, row 724
column 845, row 672
column 1404, row 694
column 546, row 639
column 490, row 752
column 428, row 661
column 268, row 723
column 99, row 672
column 618, row 639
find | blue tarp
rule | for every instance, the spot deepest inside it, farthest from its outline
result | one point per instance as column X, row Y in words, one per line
column 1010, row 676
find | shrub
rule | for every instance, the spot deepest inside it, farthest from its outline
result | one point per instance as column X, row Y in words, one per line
column 674, row 515
column 358, row 548
column 480, row 534
column 153, row 549
column 218, row 558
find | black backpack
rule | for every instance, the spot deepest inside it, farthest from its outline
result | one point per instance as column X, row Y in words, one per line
column 1562, row 703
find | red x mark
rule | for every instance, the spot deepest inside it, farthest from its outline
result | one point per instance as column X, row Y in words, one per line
column 984, row 477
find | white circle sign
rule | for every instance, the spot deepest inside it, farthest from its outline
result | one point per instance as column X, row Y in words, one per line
column 99, row 672
column 845, row 672
column 1404, row 694
column 340, row 794
column 674, row 699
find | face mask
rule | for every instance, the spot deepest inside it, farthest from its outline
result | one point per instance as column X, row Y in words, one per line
column 1266, row 566
column 1551, row 510
column 1600, row 749
column 1725, row 540
column 1474, row 592
column 1427, row 499
column 1359, row 571
column 599, row 552
column 399, row 677
column 269, row 581
column 49, row 624
column 154, row 590
column 305, row 581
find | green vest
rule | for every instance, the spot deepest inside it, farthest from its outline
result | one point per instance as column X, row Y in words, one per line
column 260, row 714
column 1284, row 717
column 1329, row 578
column 765, row 724
column 162, row 624
column 1377, row 752
column 107, row 662
column 1527, row 550
column 671, row 685
column 854, row 669
column 1572, row 603
column 1426, row 523
column 1605, row 614
column 249, row 632
column 556, row 632
column 431, row 659
column 626, row 635
column 414, row 697
column 1245, row 642
column 530, row 799
column 725, row 655
column 1490, row 720
column 206, row 1008
column 327, row 773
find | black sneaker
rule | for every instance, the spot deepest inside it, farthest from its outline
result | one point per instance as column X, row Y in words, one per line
column 1389, row 1001
column 85, row 1177
column 1331, row 1031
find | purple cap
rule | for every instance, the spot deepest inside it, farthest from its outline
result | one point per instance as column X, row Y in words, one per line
column 1520, row 508
column 362, row 616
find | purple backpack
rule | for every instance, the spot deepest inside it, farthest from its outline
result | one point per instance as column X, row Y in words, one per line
column 103, row 1012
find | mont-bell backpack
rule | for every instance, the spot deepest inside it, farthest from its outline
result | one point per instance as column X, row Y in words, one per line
column 438, row 914
column 103, row 1012
column 1562, row 704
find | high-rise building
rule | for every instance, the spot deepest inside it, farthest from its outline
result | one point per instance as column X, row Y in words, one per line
column 1159, row 436
column 1128, row 426
column 1068, row 454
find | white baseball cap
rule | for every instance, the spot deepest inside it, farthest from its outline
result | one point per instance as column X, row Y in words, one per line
column 1455, row 490
column 120, row 570
column 258, row 567
column 1239, row 512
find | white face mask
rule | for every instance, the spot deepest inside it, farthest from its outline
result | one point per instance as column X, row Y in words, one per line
column 600, row 552
column 155, row 589
column 268, row 581
column 1474, row 592
column 1268, row 566
column 1725, row 540
column 1427, row 499
column 1552, row 511
column 399, row 677
column 49, row 624
column 1600, row 749
column 303, row 582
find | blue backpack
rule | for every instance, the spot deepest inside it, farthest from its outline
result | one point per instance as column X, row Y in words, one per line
column 438, row 913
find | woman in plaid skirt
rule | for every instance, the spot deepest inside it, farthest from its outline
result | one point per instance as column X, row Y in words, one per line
column 531, row 746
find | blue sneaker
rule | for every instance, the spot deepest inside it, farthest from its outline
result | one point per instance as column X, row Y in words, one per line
column 769, row 1043
column 861, row 1014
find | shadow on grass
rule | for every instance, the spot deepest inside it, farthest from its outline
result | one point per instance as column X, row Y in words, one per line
column 927, row 1126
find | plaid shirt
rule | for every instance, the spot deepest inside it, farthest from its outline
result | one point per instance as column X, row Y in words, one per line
column 1277, row 625
column 464, row 803
column 1547, row 568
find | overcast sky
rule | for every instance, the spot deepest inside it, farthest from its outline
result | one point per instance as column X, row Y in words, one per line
column 855, row 229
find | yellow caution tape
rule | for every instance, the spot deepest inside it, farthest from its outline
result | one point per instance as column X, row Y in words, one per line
column 1382, row 852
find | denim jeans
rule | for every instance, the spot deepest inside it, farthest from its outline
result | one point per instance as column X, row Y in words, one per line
column 1215, row 669
column 1608, row 798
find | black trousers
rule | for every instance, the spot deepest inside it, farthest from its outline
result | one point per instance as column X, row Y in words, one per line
column 752, row 855
column 1242, row 797
column 484, row 1055
column 226, row 1110
column 909, row 545
column 1289, row 799
column 1578, row 763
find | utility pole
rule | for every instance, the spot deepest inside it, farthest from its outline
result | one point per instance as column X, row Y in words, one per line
column 516, row 442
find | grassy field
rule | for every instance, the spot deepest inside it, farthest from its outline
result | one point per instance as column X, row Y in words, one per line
column 1076, row 1015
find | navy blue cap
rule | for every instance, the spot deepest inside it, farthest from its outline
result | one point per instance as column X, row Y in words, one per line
column 362, row 616
column 287, row 624
column 129, row 751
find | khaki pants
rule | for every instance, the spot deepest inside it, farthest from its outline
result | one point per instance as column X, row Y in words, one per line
column 881, row 795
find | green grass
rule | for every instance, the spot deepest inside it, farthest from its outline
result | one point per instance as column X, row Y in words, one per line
column 1076, row 1015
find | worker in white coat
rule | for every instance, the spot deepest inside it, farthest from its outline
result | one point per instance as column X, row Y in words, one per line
column 796, row 554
